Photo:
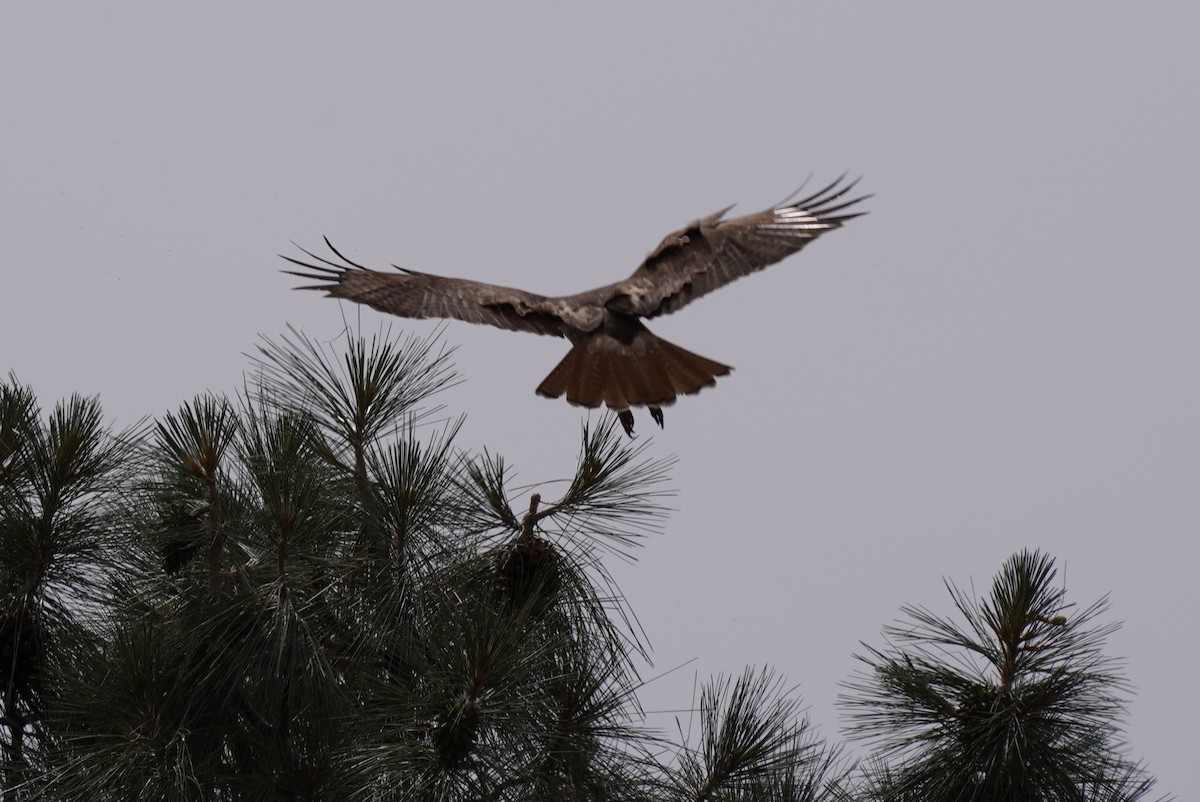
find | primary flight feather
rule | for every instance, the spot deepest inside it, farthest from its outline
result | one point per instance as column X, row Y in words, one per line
column 614, row 360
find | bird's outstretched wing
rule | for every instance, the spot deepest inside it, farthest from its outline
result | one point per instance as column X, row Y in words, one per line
column 420, row 295
column 712, row 252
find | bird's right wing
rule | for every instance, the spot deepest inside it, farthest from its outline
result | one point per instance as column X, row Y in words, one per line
column 421, row 295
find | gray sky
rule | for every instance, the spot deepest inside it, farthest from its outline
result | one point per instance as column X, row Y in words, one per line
column 1003, row 354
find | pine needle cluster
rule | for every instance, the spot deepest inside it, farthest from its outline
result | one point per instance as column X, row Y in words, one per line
column 1012, row 700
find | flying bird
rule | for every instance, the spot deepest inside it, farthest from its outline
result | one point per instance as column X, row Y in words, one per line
column 614, row 359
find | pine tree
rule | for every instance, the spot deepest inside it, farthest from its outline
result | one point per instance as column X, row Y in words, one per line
column 1016, row 701
column 60, row 537
column 310, row 591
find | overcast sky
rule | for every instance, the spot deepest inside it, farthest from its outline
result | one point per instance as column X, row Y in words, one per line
column 1003, row 354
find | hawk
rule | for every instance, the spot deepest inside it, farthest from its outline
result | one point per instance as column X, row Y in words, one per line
column 614, row 359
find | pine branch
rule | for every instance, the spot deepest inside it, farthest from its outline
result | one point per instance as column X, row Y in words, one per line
column 366, row 392
column 754, row 744
column 1016, row 697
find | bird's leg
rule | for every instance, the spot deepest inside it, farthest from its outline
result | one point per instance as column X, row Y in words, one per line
column 626, row 418
column 656, row 413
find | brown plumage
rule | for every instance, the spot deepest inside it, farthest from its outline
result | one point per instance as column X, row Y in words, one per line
column 615, row 360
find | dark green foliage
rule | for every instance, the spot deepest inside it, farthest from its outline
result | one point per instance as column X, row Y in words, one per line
column 754, row 745
column 1016, row 702
column 311, row 591
column 61, row 531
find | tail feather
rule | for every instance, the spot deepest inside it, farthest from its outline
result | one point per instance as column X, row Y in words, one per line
column 645, row 371
column 688, row 370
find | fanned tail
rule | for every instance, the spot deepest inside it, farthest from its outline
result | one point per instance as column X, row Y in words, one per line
column 646, row 371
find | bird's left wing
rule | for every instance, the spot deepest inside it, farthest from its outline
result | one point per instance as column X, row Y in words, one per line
column 421, row 295
column 712, row 252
